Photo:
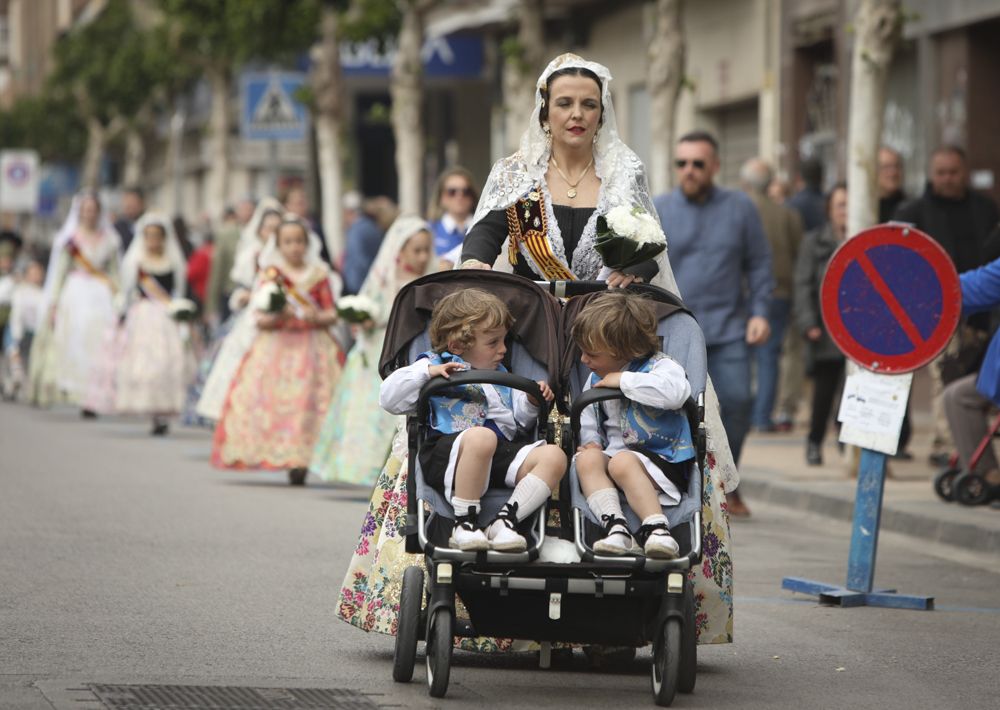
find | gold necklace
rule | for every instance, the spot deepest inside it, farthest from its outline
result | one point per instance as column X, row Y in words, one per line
column 571, row 192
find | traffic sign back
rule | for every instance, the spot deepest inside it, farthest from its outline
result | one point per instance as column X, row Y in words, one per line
column 891, row 298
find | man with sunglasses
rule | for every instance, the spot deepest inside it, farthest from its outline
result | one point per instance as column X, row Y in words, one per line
column 722, row 262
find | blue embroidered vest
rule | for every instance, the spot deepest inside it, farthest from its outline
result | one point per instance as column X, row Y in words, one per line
column 464, row 406
column 663, row 432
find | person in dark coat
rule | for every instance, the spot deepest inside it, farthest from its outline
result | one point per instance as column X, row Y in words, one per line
column 132, row 208
column 809, row 201
column 890, row 183
column 961, row 221
column 824, row 361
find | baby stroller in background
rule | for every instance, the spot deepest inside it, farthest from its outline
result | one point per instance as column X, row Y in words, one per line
column 967, row 486
column 628, row 601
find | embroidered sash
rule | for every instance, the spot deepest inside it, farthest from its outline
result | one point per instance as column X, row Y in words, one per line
column 527, row 224
column 152, row 288
column 81, row 260
column 272, row 274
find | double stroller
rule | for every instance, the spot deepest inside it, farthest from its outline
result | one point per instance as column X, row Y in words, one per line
column 601, row 600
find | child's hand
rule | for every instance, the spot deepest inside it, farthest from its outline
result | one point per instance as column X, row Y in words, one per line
column 445, row 369
column 612, row 379
column 588, row 445
column 547, row 394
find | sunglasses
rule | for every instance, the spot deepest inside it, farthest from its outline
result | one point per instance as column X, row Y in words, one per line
column 696, row 164
column 456, row 191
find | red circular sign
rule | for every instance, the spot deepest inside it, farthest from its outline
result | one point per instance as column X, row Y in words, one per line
column 891, row 298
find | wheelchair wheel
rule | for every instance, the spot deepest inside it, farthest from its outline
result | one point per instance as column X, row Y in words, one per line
column 439, row 645
column 666, row 660
column 410, row 597
column 687, row 670
column 971, row 489
column 944, row 484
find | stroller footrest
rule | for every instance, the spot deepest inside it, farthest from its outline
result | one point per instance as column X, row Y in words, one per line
column 589, row 587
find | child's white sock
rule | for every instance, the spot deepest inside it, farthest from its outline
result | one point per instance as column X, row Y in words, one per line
column 529, row 494
column 462, row 505
column 605, row 502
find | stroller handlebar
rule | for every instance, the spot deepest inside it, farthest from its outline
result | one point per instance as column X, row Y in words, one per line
column 437, row 385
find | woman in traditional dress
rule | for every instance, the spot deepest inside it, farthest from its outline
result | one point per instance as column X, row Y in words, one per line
column 356, row 437
column 572, row 166
column 235, row 335
column 78, row 305
column 152, row 372
column 276, row 404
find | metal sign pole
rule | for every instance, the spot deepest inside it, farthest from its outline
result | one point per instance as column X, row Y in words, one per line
column 867, row 517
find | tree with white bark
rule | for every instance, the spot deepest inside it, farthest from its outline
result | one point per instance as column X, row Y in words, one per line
column 524, row 54
column 877, row 31
column 664, row 80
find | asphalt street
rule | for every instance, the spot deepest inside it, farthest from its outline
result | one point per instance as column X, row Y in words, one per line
column 126, row 559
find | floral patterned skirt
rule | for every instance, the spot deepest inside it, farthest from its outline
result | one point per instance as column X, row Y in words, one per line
column 277, row 401
column 155, row 365
column 369, row 596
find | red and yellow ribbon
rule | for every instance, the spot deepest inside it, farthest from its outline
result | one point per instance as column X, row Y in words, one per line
column 527, row 224
column 81, row 260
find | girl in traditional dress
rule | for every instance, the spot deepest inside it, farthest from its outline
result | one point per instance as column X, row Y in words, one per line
column 152, row 373
column 537, row 216
column 234, row 337
column 279, row 397
column 78, row 305
column 356, row 437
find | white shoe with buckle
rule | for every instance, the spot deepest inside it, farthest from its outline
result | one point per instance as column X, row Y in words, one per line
column 617, row 541
column 468, row 538
column 660, row 545
column 504, row 537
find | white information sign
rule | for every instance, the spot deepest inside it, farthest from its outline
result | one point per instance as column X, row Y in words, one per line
column 18, row 180
column 872, row 409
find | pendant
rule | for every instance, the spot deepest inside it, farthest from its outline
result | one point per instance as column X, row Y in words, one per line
column 571, row 193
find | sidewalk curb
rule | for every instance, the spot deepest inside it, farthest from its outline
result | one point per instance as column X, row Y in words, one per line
column 969, row 536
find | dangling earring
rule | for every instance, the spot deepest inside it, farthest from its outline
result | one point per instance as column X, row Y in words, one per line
column 548, row 134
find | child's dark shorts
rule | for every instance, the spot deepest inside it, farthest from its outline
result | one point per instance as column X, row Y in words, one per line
column 436, row 451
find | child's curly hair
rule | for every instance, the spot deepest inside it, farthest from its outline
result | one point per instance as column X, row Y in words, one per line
column 458, row 314
column 620, row 323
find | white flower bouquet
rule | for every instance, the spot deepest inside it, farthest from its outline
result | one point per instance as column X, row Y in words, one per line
column 182, row 309
column 627, row 236
column 356, row 309
column 269, row 298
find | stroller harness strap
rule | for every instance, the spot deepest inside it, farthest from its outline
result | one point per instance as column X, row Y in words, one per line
column 664, row 433
column 528, row 227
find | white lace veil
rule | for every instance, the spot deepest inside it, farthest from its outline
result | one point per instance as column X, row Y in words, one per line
column 66, row 232
column 270, row 256
column 623, row 177
column 382, row 282
column 249, row 247
column 137, row 250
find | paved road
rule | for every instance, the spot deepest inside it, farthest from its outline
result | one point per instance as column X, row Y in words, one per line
column 126, row 559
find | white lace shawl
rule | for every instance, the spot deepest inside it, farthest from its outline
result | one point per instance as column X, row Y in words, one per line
column 137, row 251
column 623, row 180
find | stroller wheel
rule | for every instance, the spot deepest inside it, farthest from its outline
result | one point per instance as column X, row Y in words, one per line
column 972, row 489
column 687, row 670
column 944, row 484
column 439, row 643
column 410, row 596
column 666, row 660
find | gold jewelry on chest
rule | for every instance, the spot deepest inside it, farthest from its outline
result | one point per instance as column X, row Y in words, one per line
column 571, row 192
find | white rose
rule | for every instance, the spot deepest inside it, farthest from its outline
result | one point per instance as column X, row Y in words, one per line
column 649, row 231
column 621, row 221
column 261, row 300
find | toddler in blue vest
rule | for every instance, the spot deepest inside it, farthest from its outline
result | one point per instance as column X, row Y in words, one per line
column 478, row 439
column 638, row 446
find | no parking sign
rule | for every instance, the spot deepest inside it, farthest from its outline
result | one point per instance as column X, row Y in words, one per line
column 18, row 180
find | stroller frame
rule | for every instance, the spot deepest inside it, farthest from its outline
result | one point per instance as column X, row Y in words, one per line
column 513, row 595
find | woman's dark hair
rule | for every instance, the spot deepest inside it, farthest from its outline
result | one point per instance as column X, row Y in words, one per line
column 841, row 185
column 543, row 115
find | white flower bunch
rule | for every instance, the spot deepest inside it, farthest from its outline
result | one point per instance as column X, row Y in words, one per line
column 269, row 298
column 635, row 224
column 357, row 309
column 182, row 309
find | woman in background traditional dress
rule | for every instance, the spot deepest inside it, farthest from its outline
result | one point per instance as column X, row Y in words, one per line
column 356, row 437
column 78, row 305
column 278, row 400
column 155, row 364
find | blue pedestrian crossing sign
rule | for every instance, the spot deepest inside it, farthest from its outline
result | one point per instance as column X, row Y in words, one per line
column 269, row 109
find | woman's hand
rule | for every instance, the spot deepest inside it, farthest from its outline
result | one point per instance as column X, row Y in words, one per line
column 612, row 379
column 547, row 394
column 619, row 279
column 242, row 299
column 445, row 369
column 814, row 334
column 476, row 264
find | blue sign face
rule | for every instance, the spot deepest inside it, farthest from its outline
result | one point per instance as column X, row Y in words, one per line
column 269, row 109
column 454, row 56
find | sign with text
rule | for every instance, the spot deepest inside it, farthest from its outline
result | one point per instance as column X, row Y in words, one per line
column 872, row 409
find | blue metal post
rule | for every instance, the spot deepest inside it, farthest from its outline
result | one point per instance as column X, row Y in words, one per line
column 867, row 516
